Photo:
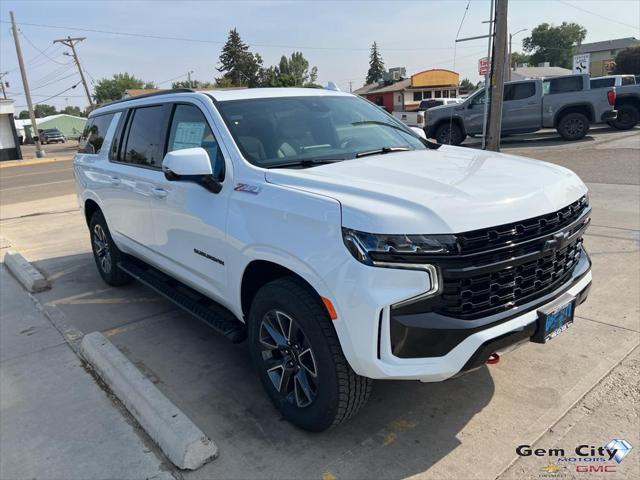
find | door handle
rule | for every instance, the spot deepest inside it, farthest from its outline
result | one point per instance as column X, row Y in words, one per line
column 115, row 180
column 159, row 192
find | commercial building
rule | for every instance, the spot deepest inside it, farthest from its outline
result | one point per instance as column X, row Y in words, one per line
column 407, row 93
column 70, row 125
column 9, row 143
column 603, row 54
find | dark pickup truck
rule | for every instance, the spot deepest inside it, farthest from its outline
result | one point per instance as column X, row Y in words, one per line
column 627, row 99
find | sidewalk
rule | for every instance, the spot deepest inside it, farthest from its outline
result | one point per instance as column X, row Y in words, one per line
column 55, row 420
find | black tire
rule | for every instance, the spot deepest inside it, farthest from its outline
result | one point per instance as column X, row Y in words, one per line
column 628, row 117
column 105, row 252
column 335, row 393
column 573, row 126
column 449, row 133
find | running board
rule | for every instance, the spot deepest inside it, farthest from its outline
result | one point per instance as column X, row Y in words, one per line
column 193, row 302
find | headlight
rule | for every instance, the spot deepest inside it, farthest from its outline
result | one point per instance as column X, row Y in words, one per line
column 372, row 248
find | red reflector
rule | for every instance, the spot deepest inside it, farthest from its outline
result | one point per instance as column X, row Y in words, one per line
column 330, row 309
column 611, row 97
column 493, row 359
column 420, row 119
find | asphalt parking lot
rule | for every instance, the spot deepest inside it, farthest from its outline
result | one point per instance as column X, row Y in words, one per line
column 466, row 427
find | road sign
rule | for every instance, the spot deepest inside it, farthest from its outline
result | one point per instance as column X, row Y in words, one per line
column 483, row 66
column 581, row 63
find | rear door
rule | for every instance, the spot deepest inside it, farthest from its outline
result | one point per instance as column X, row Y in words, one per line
column 189, row 220
column 136, row 160
column 521, row 107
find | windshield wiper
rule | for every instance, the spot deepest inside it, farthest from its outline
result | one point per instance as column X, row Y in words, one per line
column 391, row 125
column 382, row 150
column 305, row 163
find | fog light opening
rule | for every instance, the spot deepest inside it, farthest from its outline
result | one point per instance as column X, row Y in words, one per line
column 493, row 359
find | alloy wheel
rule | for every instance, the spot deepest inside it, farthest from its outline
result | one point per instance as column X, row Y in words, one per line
column 574, row 126
column 101, row 247
column 288, row 358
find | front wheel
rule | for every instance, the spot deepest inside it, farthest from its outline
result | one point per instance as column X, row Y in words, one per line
column 299, row 360
column 449, row 133
column 573, row 126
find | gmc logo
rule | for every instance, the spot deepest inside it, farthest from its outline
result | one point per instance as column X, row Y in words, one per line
column 595, row 468
column 558, row 241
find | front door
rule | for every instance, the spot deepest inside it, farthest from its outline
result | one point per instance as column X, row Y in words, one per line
column 189, row 220
column 521, row 110
column 474, row 116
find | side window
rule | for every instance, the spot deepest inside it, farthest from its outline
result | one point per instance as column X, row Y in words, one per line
column 93, row 135
column 190, row 129
column 145, row 140
column 519, row 91
column 565, row 84
column 602, row 82
column 628, row 80
column 478, row 99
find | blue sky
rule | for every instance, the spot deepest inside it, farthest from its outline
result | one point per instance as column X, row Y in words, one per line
column 334, row 36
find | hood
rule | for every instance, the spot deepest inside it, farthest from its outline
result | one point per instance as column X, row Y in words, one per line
column 448, row 190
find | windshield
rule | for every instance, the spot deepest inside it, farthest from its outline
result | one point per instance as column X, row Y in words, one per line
column 51, row 130
column 302, row 131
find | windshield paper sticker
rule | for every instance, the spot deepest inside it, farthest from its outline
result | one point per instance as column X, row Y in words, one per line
column 188, row 135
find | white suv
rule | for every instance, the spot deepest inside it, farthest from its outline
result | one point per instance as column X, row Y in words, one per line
column 345, row 246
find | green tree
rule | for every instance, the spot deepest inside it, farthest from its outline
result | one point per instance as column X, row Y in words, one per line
column 192, row 84
column 110, row 89
column 518, row 58
column 628, row 61
column 555, row 45
column 239, row 65
column 24, row 114
column 376, row 65
column 467, row 85
column 72, row 110
column 290, row 72
column 42, row 110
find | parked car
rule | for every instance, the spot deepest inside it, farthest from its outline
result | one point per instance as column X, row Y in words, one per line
column 416, row 118
column 612, row 81
column 565, row 103
column 344, row 246
column 627, row 99
column 51, row 135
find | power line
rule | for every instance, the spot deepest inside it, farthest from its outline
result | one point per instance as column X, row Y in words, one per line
column 219, row 42
column 41, row 52
column 54, row 81
column 635, row 27
column 57, row 94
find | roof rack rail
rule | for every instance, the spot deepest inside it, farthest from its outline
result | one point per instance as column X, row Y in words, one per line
column 152, row 94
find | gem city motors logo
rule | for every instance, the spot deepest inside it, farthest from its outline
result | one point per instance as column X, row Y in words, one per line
column 584, row 458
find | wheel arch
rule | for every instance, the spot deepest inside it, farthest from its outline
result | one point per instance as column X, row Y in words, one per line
column 583, row 108
column 258, row 273
column 455, row 119
column 90, row 207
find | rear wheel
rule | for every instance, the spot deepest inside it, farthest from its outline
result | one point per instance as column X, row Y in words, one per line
column 449, row 133
column 105, row 252
column 573, row 126
column 628, row 117
column 297, row 354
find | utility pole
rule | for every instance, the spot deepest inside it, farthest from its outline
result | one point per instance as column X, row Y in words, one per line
column 25, row 83
column 4, row 93
column 498, row 75
column 350, row 86
column 71, row 43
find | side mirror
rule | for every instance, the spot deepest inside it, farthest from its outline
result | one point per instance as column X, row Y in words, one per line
column 190, row 165
column 419, row 131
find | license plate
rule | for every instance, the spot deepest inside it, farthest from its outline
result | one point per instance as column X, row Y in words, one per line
column 554, row 319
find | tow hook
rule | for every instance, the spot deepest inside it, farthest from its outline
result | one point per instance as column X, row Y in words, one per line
column 493, row 359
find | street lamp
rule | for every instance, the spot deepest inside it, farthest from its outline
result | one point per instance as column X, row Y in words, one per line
column 511, row 35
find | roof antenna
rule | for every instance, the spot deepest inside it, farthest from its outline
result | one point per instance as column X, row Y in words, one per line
column 332, row 86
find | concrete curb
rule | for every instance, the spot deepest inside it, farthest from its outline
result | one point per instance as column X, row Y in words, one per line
column 34, row 161
column 25, row 273
column 179, row 438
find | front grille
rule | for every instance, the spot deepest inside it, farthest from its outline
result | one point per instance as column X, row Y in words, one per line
column 499, row 268
column 508, row 234
column 496, row 291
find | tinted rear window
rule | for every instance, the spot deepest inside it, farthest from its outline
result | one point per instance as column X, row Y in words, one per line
column 563, row 85
column 519, row 91
column 145, row 142
column 94, row 132
column 603, row 82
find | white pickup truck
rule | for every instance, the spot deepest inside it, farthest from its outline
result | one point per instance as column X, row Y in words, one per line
column 341, row 244
column 416, row 118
